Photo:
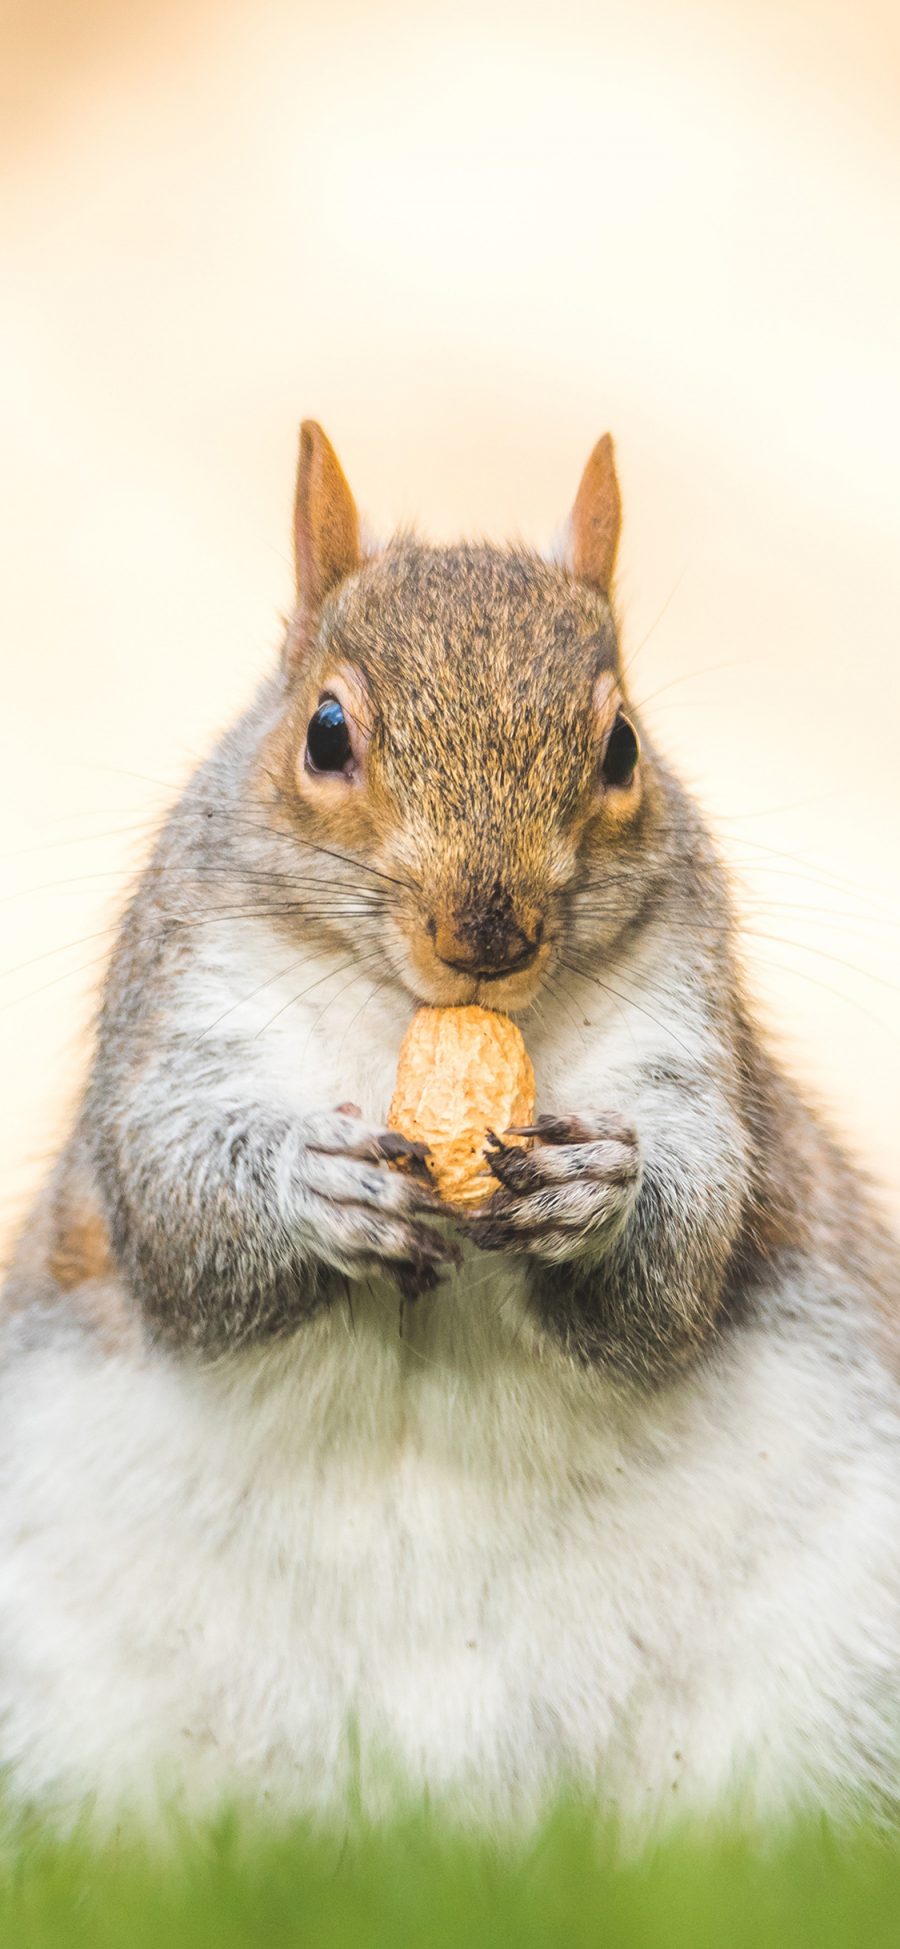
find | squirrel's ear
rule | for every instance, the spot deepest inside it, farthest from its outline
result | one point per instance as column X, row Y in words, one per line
column 326, row 524
column 596, row 518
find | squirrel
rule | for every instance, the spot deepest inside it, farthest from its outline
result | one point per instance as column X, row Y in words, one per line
column 308, row 1486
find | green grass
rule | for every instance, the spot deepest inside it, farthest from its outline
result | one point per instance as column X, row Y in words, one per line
column 416, row 1884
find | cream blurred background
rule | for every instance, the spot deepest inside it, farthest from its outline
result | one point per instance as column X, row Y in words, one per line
column 467, row 238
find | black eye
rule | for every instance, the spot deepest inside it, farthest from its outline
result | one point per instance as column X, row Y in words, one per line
column 621, row 754
column 328, row 746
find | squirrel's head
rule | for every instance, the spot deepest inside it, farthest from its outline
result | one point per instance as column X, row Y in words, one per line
column 456, row 749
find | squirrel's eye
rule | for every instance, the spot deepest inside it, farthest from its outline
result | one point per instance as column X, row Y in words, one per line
column 328, row 746
column 621, row 754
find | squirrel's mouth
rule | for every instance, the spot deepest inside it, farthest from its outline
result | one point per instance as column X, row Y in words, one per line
column 510, row 993
column 493, row 974
column 431, row 978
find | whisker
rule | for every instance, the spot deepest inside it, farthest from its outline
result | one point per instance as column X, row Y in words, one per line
column 119, row 771
column 318, row 1019
column 630, row 660
column 301, row 997
column 244, row 999
column 628, row 1000
column 738, row 927
column 809, row 947
column 780, row 968
column 809, row 869
column 381, row 983
column 348, row 860
column 68, row 974
column 560, row 994
column 77, row 839
column 161, row 872
column 690, row 676
column 64, row 947
column 288, row 908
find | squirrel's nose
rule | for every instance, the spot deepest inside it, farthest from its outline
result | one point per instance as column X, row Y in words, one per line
column 486, row 946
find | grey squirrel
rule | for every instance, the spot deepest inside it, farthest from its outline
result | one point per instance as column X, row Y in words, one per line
column 296, row 1472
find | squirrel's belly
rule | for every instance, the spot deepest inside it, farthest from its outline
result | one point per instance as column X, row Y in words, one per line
column 259, row 1580
column 288, row 1579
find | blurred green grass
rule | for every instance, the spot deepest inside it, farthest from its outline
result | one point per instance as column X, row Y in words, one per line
column 233, row 1886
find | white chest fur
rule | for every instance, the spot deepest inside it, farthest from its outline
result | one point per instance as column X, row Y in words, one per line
column 448, row 1553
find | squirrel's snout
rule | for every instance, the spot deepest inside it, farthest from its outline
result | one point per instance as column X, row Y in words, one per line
column 487, row 939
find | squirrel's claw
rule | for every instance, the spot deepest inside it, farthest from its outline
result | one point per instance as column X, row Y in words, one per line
column 412, row 1156
column 414, row 1280
column 578, row 1181
column 513, row 1167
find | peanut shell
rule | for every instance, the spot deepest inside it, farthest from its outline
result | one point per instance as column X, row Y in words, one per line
column 461, row 1072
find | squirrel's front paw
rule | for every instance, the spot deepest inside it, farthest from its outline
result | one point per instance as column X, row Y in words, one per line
column 569, row 1196
column 360, row 1215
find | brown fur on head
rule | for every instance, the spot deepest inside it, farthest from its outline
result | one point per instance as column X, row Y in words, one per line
column 485, row 766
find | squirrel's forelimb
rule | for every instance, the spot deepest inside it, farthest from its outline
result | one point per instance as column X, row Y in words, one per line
column 234, row 1223
column 629, row 1226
